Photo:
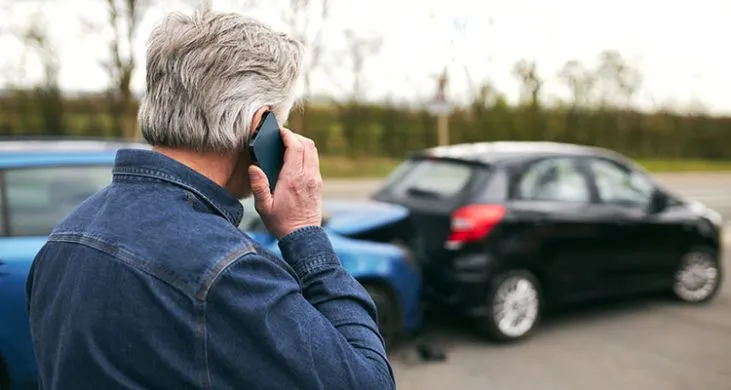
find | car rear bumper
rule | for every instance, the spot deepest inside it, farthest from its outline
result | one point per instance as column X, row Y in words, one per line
column 462, row 282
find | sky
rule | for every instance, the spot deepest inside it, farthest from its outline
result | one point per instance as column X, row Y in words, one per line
column 678, row 46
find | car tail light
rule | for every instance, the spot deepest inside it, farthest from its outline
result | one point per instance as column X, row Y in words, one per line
column 472, row 223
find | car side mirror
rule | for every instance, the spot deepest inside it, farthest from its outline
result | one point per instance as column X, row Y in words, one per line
column 658, row 202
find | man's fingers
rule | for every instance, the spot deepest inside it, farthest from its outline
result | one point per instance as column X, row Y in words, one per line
column 260, row 189
column 294, row 150
column 311, row 157
column 312, row 179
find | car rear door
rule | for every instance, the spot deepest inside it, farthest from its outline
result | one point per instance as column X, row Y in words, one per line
column 552, row 218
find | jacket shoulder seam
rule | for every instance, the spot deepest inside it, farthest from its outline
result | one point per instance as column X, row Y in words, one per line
column 221, row 266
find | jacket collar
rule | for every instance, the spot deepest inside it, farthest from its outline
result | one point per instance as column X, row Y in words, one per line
column 148, row 163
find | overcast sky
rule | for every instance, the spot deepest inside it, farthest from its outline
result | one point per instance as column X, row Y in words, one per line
column 681, row 47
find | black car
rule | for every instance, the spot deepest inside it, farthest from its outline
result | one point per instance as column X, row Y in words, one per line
column 504, row 230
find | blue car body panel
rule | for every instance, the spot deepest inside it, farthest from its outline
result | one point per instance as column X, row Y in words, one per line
column 15, row 341
column 372, row 261
column 349, row 217
column 366, row 261
column 40, row 160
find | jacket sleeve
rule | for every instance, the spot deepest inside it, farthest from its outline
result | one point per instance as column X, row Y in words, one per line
column 31, row 275
column 267, row 330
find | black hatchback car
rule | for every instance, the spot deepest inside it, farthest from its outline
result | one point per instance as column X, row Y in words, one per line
column 504, row 230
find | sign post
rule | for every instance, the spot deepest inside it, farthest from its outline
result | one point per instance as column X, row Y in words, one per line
column 441, row 109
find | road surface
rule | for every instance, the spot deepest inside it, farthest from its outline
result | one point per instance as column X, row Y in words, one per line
column 643, row 344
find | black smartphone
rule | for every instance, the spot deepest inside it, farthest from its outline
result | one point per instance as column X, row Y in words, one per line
column 267, row 148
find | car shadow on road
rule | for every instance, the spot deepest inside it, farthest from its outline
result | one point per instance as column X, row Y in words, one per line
column 600, row 311
column 444, row 330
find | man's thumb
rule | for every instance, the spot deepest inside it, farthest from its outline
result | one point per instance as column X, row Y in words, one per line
column 260, row 189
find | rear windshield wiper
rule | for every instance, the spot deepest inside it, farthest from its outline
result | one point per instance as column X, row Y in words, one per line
column 422, row 192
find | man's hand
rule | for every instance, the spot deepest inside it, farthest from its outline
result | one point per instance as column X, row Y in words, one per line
column 297, row 198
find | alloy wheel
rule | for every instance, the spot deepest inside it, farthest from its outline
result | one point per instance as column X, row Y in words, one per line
column 515, row 306
column 697, row 278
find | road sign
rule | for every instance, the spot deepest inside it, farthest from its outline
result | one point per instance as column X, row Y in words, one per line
column 439, row 107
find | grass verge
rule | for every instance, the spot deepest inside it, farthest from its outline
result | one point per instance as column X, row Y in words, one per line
column 654, row 165
column 337, row 167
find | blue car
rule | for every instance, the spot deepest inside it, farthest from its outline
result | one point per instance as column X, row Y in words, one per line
column 42, row 181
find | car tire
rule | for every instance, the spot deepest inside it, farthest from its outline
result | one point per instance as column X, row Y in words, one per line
column 389, row 313
column 698, row 278
column 4, row 377
column 512, row 294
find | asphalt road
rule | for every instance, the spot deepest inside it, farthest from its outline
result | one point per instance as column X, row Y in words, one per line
column 647, row 343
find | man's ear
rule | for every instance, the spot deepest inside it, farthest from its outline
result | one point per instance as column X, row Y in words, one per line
column 256, row 119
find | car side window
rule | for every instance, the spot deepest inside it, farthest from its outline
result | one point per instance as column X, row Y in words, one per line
column 555, row 179
column 39, row 198
column 620, row 185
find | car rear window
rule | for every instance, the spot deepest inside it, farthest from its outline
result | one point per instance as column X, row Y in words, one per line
column 37, row 199
column 429, row 178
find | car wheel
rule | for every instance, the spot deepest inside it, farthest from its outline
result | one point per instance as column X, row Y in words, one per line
column 4, row 378
column 698, row 277
column 514, row 306
column 389, row 322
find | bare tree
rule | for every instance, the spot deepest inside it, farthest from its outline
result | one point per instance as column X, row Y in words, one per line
column 579, row 81
column 306, row 20
column 36, row 37
column 487, row 95
column 629, row 82
column 44, row 99
column 120, row 29
column 620, row 80
column 124, row 17
column 531, row 83
column 13, row 68
column 361, row 49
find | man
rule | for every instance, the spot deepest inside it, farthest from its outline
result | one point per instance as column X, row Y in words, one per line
column 150, row 285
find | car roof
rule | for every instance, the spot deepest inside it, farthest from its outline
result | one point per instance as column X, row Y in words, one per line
column 498, row 151
column 15, row 152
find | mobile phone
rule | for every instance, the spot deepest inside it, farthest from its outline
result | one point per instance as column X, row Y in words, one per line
column 267, row 148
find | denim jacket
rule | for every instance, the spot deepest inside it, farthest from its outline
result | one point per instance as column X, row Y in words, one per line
column 149, row 284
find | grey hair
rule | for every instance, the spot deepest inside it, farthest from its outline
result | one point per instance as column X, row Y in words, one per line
column 208, row 74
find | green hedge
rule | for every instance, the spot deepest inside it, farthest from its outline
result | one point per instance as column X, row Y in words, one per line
column 357, row 130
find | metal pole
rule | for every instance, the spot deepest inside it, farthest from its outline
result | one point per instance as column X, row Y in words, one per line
column 443, row 129
column 443, row 115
